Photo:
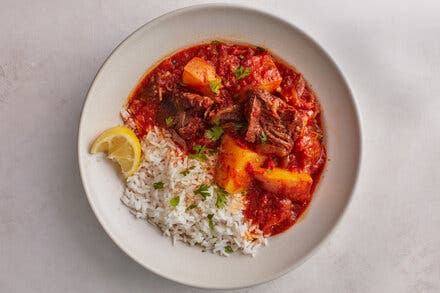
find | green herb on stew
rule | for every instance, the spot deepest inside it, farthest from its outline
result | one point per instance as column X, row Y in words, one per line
column 186, row 171
column 239, row 126
column 214, row 133
column 241, row 72
column 263, row 137
column 200, row 153
column 158, row 185
column 216, row 121
column 203, row 190
column 175, row 201
column 216, row 42
column 216, row 85
column 261, row 49
column 190, row 207
column 169, row 121
column 228, row 249
column 221, row 198
column 319, row 136
column 210, row 222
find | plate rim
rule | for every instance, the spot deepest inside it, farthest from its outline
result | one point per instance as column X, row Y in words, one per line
column 358, row 126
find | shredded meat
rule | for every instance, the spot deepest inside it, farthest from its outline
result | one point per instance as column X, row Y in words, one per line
column 272, row 123
column 193, row 127
column 231, row 113
column 190, row 109
column 194, row 102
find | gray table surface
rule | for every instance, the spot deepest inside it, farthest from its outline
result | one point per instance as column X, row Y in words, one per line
column 389, row 240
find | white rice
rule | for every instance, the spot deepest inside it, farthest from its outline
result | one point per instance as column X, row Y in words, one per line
column 163, row 162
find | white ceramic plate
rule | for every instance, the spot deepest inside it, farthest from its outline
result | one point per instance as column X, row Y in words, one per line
column 122, row 71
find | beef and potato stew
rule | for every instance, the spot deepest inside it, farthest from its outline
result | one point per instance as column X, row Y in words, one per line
column 256, row 113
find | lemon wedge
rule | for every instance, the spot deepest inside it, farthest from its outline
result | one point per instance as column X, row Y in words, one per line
column 122, row 146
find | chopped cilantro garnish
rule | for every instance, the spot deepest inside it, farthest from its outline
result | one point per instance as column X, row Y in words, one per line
column 239, row 126
column 214, row 133
column 203, row 191
column 216, row 122
column 213, row 151
column 216, row 85
column 263, row 137
column 241, row 72
column 228, row 249
column 169, row 121
column 199, row 148
column 175, row 201
column 221, row 198
column 158, row 185
column 210, row 222
column 261, row 49
column 186, row 171
column 190, row 207
column 200, row 153
column 319, row 136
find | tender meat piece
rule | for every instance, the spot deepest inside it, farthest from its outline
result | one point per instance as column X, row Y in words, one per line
column 193, row 101
column 232, row 113
column 178, row 139
column 271, row 122
column 192, row 128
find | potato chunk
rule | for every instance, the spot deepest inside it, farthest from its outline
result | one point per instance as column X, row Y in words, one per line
column 198, row 74
column 233, row 165
column 296, row 186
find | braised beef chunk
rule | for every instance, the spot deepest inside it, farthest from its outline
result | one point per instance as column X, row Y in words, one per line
column 190, row 109
column 272, row 123
column 193, row 127
column 226, row 113
column 194, row 102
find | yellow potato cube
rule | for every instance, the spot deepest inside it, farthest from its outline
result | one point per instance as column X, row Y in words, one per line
column 233, row 165
column 198, row 74
column 294, row 185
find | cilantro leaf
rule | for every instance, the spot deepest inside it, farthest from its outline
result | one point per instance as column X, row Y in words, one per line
column 169, row 121
column 239, row 126
column 263, row 137
column 190, row 207
column 215, row 85
column 200, row 153
column 158, row 185
column 260, row 49
column 228, row 249
column 203, row 190
column 214, row 133
column 175, row 201
column 186, row 171
column 210, row 222
column 221, row 198
column 242, row 72
column 216, row 121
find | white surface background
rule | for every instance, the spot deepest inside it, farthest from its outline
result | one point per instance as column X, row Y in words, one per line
column 389, row 240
